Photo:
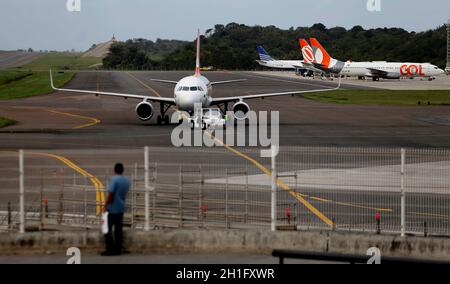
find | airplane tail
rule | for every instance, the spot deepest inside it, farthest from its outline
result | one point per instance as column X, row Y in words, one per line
column 197, row 63
column 263, row 55
column 307, row 51
column 320, row 54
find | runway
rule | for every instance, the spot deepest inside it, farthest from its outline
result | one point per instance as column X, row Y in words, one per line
column 11, row 59
column 302, row 121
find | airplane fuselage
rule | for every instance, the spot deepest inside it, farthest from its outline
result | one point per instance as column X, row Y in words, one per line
column 393, row 70
column 282, row 64
column 192, row 90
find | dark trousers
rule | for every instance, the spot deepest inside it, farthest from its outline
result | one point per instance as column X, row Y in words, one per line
column 114, row 245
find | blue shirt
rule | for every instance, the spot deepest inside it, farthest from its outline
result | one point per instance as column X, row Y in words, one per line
column 119, row 186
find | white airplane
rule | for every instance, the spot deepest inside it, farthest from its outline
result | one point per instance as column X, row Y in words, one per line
column 303, row 66
column 268, row 61
column 188, row 92
column 373, row 69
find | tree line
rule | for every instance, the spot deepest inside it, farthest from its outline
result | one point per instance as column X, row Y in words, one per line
column 233, row 47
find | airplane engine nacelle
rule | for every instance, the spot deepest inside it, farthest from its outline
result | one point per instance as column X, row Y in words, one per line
column 144, row 111
column 392, row 76
column 241, row 110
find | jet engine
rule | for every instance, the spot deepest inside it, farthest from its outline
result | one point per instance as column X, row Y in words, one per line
column 392, row 75
column 241, row 110
column 144, row 111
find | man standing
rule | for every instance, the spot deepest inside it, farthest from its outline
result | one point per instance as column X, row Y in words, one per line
column 115, row 205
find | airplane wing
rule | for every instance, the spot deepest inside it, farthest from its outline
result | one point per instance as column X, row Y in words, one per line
column 212, row 83
column 216, row 101
column 164, row 81
column 228, row 82
column 319, row 66
column 170, row 101
column 377, row 72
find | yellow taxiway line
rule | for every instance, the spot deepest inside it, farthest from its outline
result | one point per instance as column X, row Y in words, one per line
column 99, row 193
column 93, row 120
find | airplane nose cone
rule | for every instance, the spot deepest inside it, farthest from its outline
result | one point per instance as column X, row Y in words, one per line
column 184, row 101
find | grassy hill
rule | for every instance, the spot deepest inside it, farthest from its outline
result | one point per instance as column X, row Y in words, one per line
column 33, row 79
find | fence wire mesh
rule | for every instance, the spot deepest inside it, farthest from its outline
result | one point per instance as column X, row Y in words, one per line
column 355, row 189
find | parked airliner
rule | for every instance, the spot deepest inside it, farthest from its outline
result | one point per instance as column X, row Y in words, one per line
column 373, row 69
column 188, row 92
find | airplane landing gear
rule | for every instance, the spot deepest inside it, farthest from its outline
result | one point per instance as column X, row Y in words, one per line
column 163, row 117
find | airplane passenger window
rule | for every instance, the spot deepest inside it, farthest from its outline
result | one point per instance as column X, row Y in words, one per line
column 193, row 88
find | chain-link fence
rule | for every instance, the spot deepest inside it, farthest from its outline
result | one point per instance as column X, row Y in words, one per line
column 355, row 189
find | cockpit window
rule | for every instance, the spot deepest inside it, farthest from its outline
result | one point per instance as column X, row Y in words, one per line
column 194, row 88
column 185, row 88
column 200, row 88
column 179, row 88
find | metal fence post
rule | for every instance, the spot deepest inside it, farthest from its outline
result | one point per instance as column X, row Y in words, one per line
column 85, row 202
column 147, row 187
column 41, row 206
column 180, row 196
column 22, row 193
column 273, row 215
column 9, row 215
column 201, row 197
column 154, row 192
column 133, row 182
column 246, row 194
column 402, row 184
column 226, row 198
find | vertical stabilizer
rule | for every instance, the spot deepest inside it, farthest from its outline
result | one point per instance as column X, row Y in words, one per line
column 197, row 63
column 320, row 54
column 307, row 51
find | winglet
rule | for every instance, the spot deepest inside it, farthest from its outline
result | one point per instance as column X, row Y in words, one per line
column 197, row 63
column 51, row 80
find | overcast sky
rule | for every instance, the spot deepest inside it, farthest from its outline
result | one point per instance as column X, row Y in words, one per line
column 46, row 24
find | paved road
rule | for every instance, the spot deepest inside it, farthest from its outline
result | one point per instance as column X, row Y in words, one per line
column 16, row 58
